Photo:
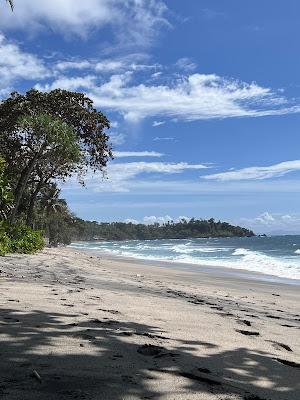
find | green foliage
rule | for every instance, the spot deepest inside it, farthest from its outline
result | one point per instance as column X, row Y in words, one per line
column 47, row 137
column 4, row 242
column 50, row 136
column 74, row 109
column 19, row 238
column 92, row 230
column 55, row 217
column 6, row 197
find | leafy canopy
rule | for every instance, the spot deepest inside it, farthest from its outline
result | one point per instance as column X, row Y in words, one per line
column 74, row 109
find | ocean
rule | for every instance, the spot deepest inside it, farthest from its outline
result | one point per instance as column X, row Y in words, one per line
column 277, row 256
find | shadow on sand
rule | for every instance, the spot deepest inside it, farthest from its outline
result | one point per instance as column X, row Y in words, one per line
column 109, row 359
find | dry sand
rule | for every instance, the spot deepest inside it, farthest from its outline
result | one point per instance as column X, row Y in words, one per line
column 74, row 326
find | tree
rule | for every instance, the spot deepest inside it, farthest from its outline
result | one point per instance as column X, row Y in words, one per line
column 45, row 143
column 37, row 130
column 6, row 197
column 57, row 220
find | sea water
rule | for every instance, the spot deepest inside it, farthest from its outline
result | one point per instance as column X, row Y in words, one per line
column 278, row 256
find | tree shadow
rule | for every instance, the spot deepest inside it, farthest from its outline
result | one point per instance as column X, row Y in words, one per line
column 81, row 358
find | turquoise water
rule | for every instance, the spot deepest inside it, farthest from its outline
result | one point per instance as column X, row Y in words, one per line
column 278, row 255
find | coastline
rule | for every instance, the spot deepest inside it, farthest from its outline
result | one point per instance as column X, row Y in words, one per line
column 274, row 259
column 219, row 271
column 116, row 328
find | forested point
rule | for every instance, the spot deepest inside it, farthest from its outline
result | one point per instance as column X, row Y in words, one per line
column 92, row 230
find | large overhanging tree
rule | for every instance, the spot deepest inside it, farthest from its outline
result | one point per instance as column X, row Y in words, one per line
column 51, row 152
column 52, row 135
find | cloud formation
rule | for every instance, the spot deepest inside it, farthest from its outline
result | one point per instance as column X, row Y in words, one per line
column 135, row 21
column 274, row 223
column 257, row 173
column 16, row 64
column 121, row 176
column 189, row 97
column 124, row 154
column 152, row 219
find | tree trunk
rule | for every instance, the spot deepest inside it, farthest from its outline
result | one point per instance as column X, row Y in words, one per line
column 29, row 217
column 19, row 191
column 23, row 182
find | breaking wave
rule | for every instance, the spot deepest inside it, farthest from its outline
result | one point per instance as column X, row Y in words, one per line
column 270, row 256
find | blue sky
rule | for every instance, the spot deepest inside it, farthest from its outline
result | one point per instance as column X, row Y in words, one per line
column 203, row 96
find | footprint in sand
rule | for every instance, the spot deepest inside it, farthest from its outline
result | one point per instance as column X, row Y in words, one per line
column 150, row 350
column 280, row 346
column 247, row 333
column 244, row 322
column 288, row 363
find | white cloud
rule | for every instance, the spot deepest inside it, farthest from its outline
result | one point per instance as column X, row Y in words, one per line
column 152, row 219
column 110, row 66
column 117, row 138
column 257, row 173
column 186, row 64
column 265, row 218
column 131, row 221
column 16, row 64
column 135, row 21
column 120, row 154
column 275, row 223
column 156, row 74
column 121, row 176
column 158, row 123
column 69, row 83
column 195, row 97
column 114, row 124
column 132, row 62
column 67, row 65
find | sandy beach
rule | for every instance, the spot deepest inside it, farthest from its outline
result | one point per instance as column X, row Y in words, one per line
column 76, row 326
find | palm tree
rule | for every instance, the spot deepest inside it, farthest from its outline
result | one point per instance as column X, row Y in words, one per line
column 50, row 201
column 11, row 3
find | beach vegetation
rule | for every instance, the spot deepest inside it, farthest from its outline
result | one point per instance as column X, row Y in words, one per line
column 19, row 238
column 46, row 137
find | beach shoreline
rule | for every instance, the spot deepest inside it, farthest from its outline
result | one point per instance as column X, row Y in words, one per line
column 113, row 328
column 216, row 271
column 274, row 259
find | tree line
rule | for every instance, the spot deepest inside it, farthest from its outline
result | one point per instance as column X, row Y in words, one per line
column 194, row 228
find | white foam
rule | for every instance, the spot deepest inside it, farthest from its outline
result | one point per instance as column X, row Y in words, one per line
column 185, row 249
column 190, row 253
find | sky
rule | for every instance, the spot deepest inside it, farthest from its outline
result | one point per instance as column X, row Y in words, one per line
column 203, row 99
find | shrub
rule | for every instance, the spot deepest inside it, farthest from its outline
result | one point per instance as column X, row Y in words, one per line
column 4, row 242
column 20, row 239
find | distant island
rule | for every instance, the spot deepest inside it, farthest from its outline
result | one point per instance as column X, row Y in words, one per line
column 194, row 228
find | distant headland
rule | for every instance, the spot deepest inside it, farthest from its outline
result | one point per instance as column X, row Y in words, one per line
column 184, row 229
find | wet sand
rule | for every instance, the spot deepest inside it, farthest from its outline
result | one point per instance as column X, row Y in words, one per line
column 75, row 326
